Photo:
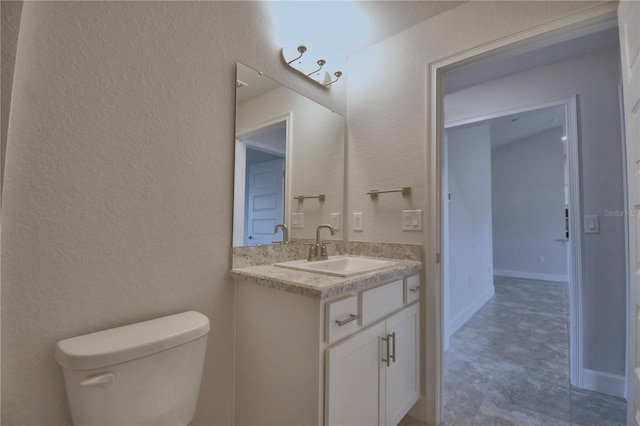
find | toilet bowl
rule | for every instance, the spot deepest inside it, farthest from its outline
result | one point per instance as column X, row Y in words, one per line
column 146, row 373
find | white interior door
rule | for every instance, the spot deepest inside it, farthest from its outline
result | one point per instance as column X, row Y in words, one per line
column 265, row 201
column 629, row 27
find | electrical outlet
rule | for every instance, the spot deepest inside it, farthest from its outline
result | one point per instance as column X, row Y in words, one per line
column 335, row 221
column 297, row 220
column 358, row 221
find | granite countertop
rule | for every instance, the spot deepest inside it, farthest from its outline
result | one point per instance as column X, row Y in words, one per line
column 322, row 286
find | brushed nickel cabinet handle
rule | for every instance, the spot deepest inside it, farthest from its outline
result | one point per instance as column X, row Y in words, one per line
column 415, row 289
column 393, row 347
column 387, row 340
column 352, row 317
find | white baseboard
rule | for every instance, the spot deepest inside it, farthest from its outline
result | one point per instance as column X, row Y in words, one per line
column 531, row 275
column 419, row 409
column 598, row 381
column 468, row 312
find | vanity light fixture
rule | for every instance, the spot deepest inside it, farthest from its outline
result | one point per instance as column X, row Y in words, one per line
column 324, row 79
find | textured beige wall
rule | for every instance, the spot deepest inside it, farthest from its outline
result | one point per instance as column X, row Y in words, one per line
column 10, row 12
column 388, row 123
column 387, row 107
column 118, row 190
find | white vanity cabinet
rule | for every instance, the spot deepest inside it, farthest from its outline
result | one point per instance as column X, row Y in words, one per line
column 349, row 359
column 372, row 377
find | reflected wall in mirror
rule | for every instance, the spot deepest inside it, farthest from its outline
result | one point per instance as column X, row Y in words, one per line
column 286, row 147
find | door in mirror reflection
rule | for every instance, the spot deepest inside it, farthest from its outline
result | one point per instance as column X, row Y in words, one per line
column 261, row 158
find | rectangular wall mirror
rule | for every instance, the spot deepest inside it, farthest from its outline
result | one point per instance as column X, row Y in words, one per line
column 289, row 164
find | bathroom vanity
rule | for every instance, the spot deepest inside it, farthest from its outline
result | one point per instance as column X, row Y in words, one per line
column 319, row 349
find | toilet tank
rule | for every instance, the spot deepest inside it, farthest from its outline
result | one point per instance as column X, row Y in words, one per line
column 146, row 373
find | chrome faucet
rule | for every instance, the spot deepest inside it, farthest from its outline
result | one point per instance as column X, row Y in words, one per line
column 318, row 251
column 285, row 233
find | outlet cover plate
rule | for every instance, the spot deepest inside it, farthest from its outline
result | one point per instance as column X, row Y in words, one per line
column 297, row 220
column 335, row 221
column 358, row 220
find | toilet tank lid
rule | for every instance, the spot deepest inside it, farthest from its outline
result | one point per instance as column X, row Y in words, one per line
column 116, row 345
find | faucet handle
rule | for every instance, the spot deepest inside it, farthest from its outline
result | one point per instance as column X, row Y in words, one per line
column 313, row 253
column 323, row 249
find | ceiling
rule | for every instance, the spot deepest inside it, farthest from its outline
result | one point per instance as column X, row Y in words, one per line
column 394, row 16
column 517, row 126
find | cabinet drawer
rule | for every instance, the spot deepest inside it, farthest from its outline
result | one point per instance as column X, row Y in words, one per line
column 380, row 301
column 341, row 318
column 411, row 288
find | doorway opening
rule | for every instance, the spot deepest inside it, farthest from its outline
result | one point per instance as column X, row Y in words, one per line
column 507, row 191
column 549, row 35
column 259, row 184
column 508, row 261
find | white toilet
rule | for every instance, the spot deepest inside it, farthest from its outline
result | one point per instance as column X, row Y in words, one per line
column 141, row 374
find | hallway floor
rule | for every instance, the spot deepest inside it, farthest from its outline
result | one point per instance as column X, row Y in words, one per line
column 509, row 364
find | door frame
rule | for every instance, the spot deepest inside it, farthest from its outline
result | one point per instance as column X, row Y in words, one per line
column 583, row 21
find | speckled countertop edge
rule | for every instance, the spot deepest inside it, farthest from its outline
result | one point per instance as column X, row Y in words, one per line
column 321, row 286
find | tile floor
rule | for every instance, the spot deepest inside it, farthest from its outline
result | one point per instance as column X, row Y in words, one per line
column 509, row 364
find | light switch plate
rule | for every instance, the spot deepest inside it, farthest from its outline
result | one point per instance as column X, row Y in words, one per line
column 297, row 220
column 335, row 221
column 358, row 220
column 412, row 220
column 591, row 224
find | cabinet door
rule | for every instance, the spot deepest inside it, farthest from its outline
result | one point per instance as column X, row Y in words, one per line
column 402, row 375
column 354, row 376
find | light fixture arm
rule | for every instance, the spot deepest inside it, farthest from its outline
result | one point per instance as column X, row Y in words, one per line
column 298, row 66
column 338, row 74
column 302, row 48
column 320, row 62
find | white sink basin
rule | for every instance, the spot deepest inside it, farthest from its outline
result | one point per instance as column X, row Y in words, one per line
column 339, row 266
